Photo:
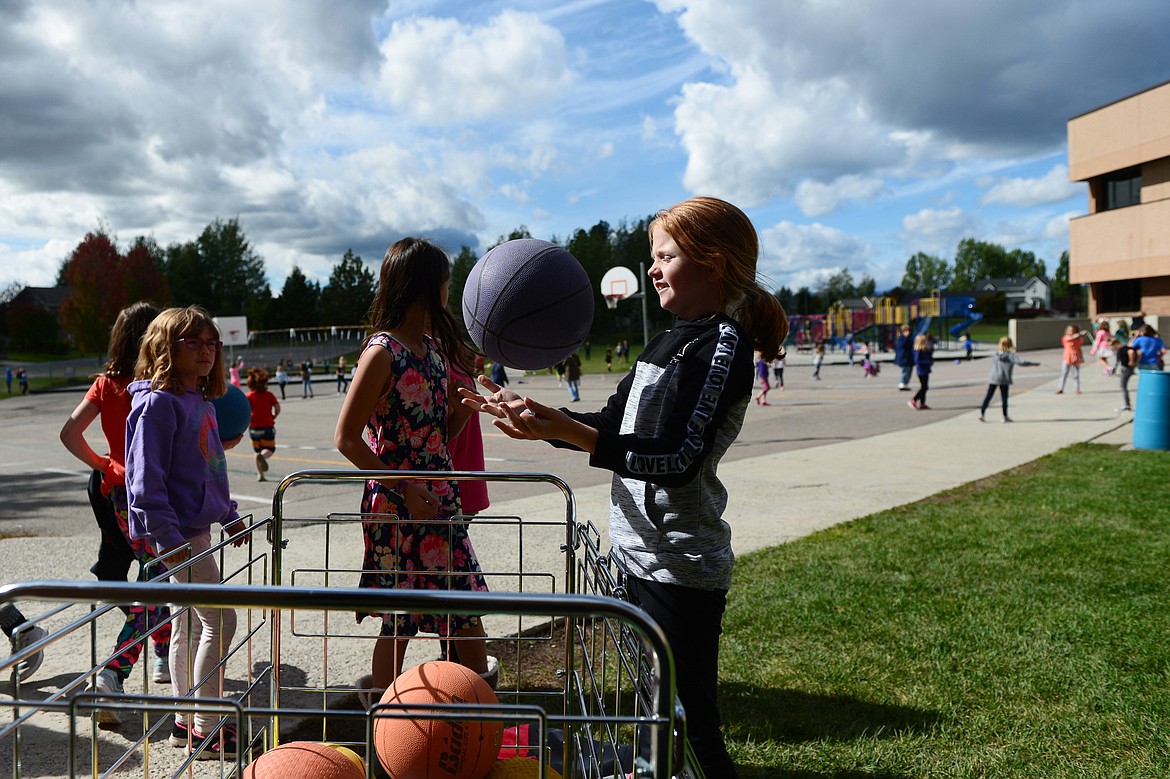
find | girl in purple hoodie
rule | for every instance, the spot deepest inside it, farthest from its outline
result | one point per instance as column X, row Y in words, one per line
column 177, row 486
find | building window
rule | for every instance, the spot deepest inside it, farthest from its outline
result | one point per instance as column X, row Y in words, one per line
column 1120, row 189
column 1113, row 296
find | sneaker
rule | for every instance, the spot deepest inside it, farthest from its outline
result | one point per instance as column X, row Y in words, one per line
column 1060, row 392
column 1007, row 419
column 901, row 386
column 1119, row 409
column 22, row 637
column 981, row 419
column 107, row 681
column 492, row 674
column 923, row 407
column 180, row 734
column 262, row 463
column 161, row 673
column 224, row 744
column 912, row 404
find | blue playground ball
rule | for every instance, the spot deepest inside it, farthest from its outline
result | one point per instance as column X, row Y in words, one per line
column 233, row 413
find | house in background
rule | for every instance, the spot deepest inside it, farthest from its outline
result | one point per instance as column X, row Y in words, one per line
column 1121, row 248
column 48, row 298
column 1031, row 292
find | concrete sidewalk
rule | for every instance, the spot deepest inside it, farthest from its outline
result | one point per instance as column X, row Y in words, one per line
column 779, row 497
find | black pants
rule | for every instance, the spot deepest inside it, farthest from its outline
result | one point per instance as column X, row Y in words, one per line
column 114, row 555
column 1003, row 394
column 692, row 620
column 923, row 386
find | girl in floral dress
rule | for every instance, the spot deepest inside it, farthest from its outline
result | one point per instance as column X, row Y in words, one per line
column 399, row 415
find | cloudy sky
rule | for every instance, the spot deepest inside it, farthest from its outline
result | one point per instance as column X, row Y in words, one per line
column 854, row 132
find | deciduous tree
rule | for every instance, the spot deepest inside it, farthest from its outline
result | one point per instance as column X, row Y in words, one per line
column 926, row 272
column 94, row 273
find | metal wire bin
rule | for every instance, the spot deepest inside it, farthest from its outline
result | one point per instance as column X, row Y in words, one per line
column 586, row 679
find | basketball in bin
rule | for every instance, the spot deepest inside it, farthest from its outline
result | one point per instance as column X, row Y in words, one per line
column 307, row 759
column 418, row 744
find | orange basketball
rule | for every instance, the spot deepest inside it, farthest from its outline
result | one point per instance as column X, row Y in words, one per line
column 304, row 760
column 420, row 746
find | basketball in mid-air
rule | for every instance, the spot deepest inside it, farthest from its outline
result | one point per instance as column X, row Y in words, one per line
column 528, row 304
column 306, row 759
column 233, row 413
column 417, row 744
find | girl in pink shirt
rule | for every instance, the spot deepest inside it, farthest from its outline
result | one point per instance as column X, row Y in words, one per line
column 1073, row 340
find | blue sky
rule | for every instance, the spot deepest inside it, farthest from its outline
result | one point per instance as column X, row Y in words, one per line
column 854, row 133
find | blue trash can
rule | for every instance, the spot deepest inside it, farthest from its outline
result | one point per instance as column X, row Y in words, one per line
column 1151, row 415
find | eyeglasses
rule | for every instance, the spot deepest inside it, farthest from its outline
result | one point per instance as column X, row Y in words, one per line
column 195, row 344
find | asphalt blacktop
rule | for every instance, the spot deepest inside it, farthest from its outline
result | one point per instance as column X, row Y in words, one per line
column 775, row 497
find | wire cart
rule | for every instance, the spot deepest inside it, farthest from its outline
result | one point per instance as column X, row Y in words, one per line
column 586, row 681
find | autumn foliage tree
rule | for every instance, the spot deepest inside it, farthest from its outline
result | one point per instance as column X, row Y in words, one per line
column 103, row 281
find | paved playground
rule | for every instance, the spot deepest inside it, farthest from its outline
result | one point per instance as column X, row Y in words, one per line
column 824, row 452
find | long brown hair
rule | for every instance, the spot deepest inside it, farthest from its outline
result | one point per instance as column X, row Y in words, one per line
column 126, row 337
column 415, row 269
column 719, row 236
column 156, row 358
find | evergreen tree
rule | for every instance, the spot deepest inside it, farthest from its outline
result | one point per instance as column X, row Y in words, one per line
column 347, row 296
column 299, row 303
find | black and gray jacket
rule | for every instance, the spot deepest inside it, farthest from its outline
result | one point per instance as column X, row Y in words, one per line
column 662, row 433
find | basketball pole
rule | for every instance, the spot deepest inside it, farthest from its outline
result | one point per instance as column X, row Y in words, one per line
column 645, row 313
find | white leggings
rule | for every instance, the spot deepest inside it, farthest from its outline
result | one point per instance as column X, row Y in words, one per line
column 201, row 635
column 1065, row 368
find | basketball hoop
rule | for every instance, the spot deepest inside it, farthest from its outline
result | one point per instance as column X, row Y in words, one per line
column 611, row 301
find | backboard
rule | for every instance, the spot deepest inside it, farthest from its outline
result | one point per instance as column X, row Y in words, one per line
column 233, row 330
column 619, row 283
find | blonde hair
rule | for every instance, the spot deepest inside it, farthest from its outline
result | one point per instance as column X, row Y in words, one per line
column 156, row 357
column 718, row 236
column 1005, row 344
column 920, row 342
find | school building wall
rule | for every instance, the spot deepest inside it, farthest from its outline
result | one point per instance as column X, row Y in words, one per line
column 1123, row 251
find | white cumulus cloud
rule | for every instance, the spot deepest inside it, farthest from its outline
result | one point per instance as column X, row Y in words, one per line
column 799, row 255
column 1052, row 187
column 817, row 199
column 442, row 71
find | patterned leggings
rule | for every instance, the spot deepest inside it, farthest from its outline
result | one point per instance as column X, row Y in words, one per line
column 140, row 620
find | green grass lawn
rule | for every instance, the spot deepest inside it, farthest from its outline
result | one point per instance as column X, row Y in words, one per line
column 1015, row 627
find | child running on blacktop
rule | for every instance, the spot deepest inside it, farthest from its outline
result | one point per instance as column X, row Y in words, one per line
column 1127, row 360
column 177, row 488
column 762, row 375
column 1002, row 364
column 262, row 426
column 109, row 399
column 869, row 366
column 398, row 416
column 663, row 433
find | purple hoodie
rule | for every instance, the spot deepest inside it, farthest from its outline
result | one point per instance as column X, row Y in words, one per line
column 176, row 472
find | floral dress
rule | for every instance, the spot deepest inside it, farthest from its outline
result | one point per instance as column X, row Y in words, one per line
column 408, row 431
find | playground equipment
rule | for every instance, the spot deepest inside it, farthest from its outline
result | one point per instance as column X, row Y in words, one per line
column 878, row 321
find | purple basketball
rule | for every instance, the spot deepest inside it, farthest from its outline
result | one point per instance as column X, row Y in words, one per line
column 233, row 413
column 528, row 304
